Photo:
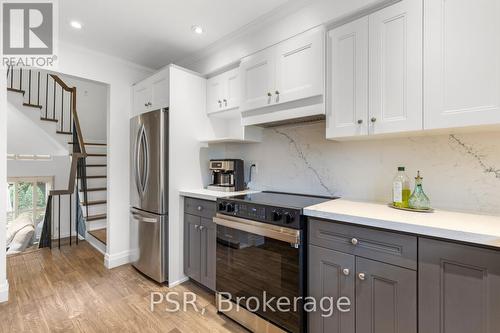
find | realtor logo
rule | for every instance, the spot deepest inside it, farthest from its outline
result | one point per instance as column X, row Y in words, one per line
column 28, row 28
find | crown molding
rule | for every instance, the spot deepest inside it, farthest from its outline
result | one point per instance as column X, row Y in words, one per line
column 257, row 24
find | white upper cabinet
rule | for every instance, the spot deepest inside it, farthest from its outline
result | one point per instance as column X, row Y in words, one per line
column 395, row 68
column 299, row 69
column 462, row 63
column 347, row 106
column 286, row 79
column 257, row 74
column 223, row 91
column 152, row 93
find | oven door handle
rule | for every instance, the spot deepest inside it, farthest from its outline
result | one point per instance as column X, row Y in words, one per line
column 288, row 235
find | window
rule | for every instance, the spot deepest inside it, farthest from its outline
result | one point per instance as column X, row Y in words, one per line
column 28, row 196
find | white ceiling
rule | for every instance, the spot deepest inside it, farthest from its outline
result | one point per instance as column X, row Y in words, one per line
column 154, row 33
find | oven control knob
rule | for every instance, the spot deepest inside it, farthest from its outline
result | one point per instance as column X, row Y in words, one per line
column 222, row 206
column 276, row 216
column 230, row 207
column 287, row 218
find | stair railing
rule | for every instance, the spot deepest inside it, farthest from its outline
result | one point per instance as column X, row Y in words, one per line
column 28, row 81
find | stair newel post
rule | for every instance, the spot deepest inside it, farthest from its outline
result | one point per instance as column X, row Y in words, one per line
column 77, row 195
column 59, row 223
column 38, row 89
column 29, row 87
column 70, row 217
column 62, row 109
column 11, row 76
column 20, row 78
column 47, row 96
column 54, row 108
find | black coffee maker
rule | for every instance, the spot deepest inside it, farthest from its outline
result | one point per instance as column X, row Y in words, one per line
column 227, row 175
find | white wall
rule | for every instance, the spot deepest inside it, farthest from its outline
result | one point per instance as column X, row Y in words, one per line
column 92, row 104
column 280, row 25
column 461, row 172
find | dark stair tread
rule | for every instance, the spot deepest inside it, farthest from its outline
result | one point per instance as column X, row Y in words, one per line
column 90, row 144
column 96, row 189
column 33, row 105
column 99, row 234
column 96, row 165
column 94, row 203
column 96, row 155
column 97, row 217
column 63, row 132
column 49, row 119
column 16, row 90
column 94, row 177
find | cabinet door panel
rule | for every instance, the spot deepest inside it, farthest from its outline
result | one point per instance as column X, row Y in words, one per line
column 386, row 300
column 257, row 74
column 348, row 80
column 327, row 279
column 192, row 243
column 160, row 91
column 459, row 288
column 462, row 63
column 208, row 255
column 142, row 96
column 232, row 90
column 396, row 68
column 300, row 67
column 215, row 94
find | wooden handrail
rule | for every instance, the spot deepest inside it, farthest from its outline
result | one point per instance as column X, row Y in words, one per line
column 81, row 142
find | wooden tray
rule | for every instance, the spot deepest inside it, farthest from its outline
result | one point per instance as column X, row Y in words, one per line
column 430, row 210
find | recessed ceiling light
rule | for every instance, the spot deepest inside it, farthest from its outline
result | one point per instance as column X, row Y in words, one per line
column 76, row 24
column 197, row 29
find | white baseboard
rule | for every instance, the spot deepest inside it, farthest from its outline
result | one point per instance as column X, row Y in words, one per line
column 118, row 259
column 4, row 291
column 178, row 282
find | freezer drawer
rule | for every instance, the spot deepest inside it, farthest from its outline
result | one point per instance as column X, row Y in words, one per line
column 153, row 244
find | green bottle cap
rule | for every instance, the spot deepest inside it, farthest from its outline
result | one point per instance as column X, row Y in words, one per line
column 401, row 168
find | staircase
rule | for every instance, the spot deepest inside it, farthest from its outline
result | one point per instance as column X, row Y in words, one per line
column 46, row 93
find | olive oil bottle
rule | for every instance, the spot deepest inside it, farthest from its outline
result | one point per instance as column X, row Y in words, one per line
column 401, row 189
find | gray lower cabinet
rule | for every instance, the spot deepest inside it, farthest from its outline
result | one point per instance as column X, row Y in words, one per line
column 331, row 275
column 459, row 288
column 200, row 237
column 386, row 298
column 383, row 295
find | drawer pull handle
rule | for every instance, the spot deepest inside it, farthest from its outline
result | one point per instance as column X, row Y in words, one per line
column 196, row 226
column 362, row 276
column 201, row 227
column 346, row 271
column 354, row 241
column 200, row 208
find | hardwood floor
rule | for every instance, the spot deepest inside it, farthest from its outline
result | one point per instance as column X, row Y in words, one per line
column 71, row 291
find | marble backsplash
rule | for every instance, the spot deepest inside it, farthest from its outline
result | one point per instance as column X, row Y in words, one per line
column 461, row 172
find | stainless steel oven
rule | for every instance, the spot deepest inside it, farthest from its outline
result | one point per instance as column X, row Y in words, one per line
column 260, row 262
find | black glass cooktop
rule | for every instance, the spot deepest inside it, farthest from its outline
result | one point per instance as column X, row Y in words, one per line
column 279, row 199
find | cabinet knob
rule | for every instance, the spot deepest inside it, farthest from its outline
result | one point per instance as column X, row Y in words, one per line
column 196, row 226
column 201, row 227
column 346, row 271
column 269, row 94
column 362, row 276
column 360, row 121
column 200, row 208
column 354, row 241
column 373, row 119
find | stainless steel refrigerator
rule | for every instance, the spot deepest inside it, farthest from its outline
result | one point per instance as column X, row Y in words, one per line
column 149, row 191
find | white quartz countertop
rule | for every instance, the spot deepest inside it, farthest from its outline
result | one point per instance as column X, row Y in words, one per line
column 471, row 228
column 210, row 194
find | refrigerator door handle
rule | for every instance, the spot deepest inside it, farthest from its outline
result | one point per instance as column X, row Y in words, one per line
column 142, row 152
